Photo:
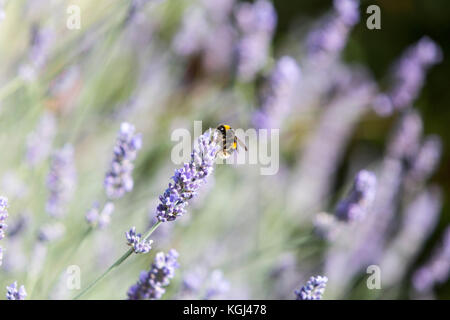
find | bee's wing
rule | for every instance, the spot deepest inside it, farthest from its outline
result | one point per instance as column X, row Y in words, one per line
column 242, row 144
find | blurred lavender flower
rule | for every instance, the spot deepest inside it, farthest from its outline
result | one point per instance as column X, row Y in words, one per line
column 410, row 71
column 97, row 219
column 3, row 215
column 151, row 284
column 278, row 95
column 216, row 285
column 437, row 269
column 360, row 198
column 419, row 220
column 61, row 181
column 197, row 283
column 188, row 179
column 313, row 289
column 51, row 232
column 328, row 40
column 202, row 25
column 41, row 41
column 324, row 149
column 348, row 11
column 14, row 293
column 118, row 179
column 256, row 23
column 39, row 142
column 3, row 225
column 135, row 240
column 425, row 161
column 405, row 141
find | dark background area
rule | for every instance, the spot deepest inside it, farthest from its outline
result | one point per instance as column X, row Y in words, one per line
column 403, row 22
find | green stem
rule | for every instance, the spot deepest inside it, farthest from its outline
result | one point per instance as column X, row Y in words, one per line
column 10, row 87
column 117, row 263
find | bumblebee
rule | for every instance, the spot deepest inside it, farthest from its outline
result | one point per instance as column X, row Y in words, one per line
column 229, row 141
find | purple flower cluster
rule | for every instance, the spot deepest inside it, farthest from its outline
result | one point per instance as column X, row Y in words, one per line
column 51, row 232
column 100, row 219
column 118, row 179
column 357, row 203
column 151, row 284
column 313, row 289
column 61, row 181
column 41, row 41
column 256, row 23
column 188, row 179
column 138, row 244
column 277, row 96
column 437, row 269
column 14, row 293
column 3, row 225
column 39, row 142
column 409, row 75
column 202, row 25
column 330, row 37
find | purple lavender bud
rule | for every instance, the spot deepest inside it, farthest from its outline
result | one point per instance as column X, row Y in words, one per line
column 217, row 285
column 405, row 141
column 278, row 94
column 188, row 179
column 118, row 179
column 382, row 105
column 3, row 215
column 348, row 11
column 427, row 159
column 151, row 284
column 51, row 232
column 61, row 181
column 256, row 22
column 135, row 240
column 360, row 198
column 437, row 269
column 39, row 142
column 410, row 71
column 331, row 36
column 3, row 225
column 41, row 41
column 13, row 293
column 97, row 219
column 257, row 17
column 313, row 289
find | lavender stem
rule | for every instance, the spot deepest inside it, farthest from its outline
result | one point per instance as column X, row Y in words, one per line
column 117, row 263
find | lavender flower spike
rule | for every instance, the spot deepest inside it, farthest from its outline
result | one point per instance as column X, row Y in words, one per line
column 13, row 293
column 3, row 225
column 151, row 284
column 436, row 270
column 100, row 219
column 118, row 179
column 356, row 204
column 135, row 240
column 61, row 181
column 188, row 179
column 313, row 290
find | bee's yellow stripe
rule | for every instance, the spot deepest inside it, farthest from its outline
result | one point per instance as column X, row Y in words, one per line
column 227, row 127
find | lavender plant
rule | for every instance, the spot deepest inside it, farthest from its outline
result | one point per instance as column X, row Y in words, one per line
column 118, row 179
column 313, row 289
column 151, row 284
column 15, row 293
column 3, row 225
column 61, row 181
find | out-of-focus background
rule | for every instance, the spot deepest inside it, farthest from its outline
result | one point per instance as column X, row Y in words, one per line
column 345, row 98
